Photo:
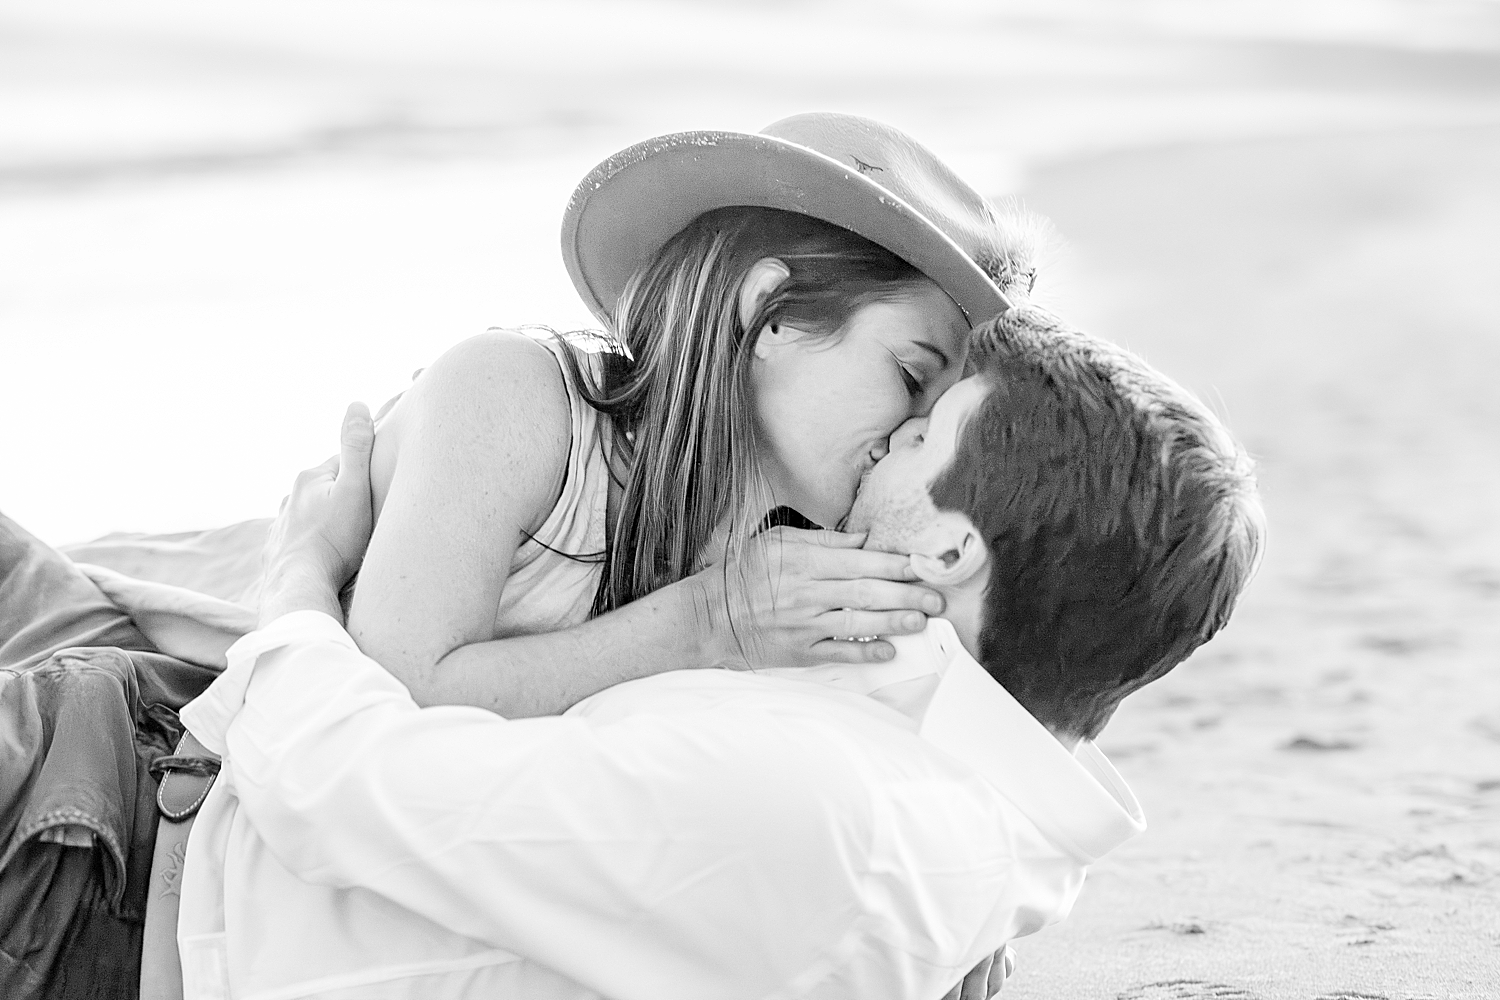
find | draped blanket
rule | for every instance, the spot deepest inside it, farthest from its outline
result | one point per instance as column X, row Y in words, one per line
column 220, row 562
column 191, row 593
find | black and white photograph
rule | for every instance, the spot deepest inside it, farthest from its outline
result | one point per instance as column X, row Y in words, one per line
column 750, row 500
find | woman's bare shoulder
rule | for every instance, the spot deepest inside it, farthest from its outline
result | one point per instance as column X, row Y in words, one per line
column 474, row 455
column 498, row 399
column 495, row 368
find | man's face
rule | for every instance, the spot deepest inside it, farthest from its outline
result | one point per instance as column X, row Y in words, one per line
column 893, row 504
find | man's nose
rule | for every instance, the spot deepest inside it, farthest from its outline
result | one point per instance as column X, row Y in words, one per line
column 908, row 432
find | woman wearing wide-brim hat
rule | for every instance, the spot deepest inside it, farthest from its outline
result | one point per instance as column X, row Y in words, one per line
column 553, row 520
column 775, row 304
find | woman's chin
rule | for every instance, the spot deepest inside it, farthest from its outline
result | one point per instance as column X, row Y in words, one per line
column 842, row 517
column 827, row 508
column 856, row 520
column 828, row 515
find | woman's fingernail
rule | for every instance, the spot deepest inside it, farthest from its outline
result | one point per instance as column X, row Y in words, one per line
column 932, row 604
column 884, row 652
column 913, row 622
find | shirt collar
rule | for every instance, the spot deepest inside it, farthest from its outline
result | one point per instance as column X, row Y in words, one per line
column 1077, row 799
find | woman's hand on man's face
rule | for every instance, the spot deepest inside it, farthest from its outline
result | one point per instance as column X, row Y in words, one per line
column 320, row 536
column 797, row 598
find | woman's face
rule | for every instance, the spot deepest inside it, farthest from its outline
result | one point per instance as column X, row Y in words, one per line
column 827, row 405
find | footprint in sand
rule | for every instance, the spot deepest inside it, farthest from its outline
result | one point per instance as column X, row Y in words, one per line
column 1432, row 864
column 1185, row 989
column 1304, row 744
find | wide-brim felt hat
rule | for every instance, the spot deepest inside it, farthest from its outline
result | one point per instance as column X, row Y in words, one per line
column 860, row 174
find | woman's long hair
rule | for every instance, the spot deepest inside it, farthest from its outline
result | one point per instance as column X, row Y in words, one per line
column 677, row 387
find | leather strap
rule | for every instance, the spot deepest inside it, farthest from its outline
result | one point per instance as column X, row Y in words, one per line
column 185, row 778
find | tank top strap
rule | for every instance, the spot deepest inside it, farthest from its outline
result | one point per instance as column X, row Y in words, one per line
column 555, row 572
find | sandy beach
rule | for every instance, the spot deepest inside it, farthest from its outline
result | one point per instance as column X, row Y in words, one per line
column 1322, row 779
column 216, row 227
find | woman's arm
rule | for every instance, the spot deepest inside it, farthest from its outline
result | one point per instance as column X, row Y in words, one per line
column 475, row 452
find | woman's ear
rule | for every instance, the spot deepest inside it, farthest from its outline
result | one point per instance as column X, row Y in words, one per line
column 763, row 278
column 954, row 553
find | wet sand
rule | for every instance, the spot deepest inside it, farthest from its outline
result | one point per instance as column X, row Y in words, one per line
column 1323, row 780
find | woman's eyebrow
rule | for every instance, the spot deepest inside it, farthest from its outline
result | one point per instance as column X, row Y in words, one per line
column 935, row 350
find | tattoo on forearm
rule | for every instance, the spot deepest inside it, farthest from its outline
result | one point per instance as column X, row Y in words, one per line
column 171, row 871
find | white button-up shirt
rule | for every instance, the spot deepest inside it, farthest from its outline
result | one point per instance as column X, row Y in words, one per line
column 845, row 832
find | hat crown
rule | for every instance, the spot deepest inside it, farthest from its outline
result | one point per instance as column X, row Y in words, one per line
column 897, row 162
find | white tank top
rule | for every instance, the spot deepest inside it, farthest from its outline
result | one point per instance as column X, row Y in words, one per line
column 554, row 574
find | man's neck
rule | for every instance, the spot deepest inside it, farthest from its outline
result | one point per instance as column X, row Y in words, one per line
column 964, row 609
column 965, row 612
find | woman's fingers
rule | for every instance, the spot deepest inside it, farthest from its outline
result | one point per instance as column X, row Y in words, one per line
column 838, row 562
column 847, row 623
column 807, row 595
column 828, row 538
column 880, row 595
column 858, row 564
column 848, row 651
column 836, row 555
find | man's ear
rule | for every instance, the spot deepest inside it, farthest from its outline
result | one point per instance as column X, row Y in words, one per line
column 763, row 278
column 955, row 554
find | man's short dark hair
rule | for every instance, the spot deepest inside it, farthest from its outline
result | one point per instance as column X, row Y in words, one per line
column 1121, row 518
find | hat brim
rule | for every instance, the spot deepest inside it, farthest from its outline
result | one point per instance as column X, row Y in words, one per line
column 630, row 205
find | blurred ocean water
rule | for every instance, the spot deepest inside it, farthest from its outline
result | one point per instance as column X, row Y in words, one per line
column 220, row 222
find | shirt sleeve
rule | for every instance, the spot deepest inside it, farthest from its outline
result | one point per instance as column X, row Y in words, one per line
column 730, row 853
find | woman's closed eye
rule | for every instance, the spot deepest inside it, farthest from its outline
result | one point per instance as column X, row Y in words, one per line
column 913, row 382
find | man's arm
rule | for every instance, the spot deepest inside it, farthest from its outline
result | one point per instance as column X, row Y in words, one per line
column 725, row 853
